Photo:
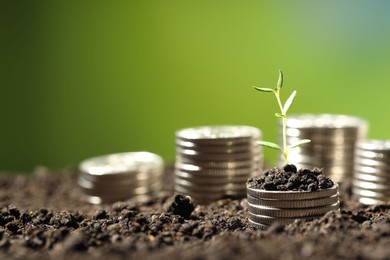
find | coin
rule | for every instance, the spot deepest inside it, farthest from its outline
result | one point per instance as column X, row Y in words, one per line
column 371, row 185
column 207, row 179
column 372, row 177
column 290, row 204
column 210, row 187
column 219, row 147
column 209, row 196
column 221, row 172
column 257, row 225
column 292, row 195
column 121, row 163
column 215, row 161
column 120, row 176
column 219, row 134
column 374, row 145
column 371, row 201
column 276, row 212
column 230, row 164
column 266, row 220
column 364, row 192
column 194, row 155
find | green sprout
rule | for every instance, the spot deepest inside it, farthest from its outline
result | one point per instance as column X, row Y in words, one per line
column 283, row 115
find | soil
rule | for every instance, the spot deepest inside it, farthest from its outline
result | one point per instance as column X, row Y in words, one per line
column 289, row 178
column 43, row 216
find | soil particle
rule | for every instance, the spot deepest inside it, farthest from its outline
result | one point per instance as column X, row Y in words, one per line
column 291, row 179
column 180, row 205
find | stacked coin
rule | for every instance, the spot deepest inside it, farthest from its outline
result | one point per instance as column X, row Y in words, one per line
column 371, row 182
column 283, row 207
column 215, row 161
column 121, row 176
column 333, row 139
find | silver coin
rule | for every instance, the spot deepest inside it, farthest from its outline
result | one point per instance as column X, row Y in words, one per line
column 255, row 163
column 371, row 170
column 120, row 189
column 209, row 193
column 257, row 225
column 198, row 179
column 125, row 184
column 202, row 171
column 211, row 187
column 324, row 121
column 292, row 195
column 373, row 163
column 372, row 178
column 311, row 148
column 122, row 163
column 291, row 204
column 266, row 220
column 253, row 149
column 290, row 213
column 98, row 200
column 338, row 179
column 219, row 134
column 133, row 177
column 371, row 201
column 371, row 185
column 333, row 159
column 218, row 157
column 381, row 156
column 219, row 147
column 370, row 193
column 374, row 145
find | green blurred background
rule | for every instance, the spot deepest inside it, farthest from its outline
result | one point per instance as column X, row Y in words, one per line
column 84, row 78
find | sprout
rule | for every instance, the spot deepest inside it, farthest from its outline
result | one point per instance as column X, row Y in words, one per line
column 283, row 115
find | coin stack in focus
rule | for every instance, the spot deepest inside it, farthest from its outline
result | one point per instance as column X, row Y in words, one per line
column 333, row 139
column 371, row 182
column 213, row 162
column 283, row 207
column 121, row 176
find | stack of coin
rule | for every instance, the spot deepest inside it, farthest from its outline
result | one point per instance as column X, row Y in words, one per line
column 371, row 182
column 333, row 139
column 213, row 162
column 121, row 176
column 283, row 207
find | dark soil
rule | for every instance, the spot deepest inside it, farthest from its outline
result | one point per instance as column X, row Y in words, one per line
column 291, row 179
column 43, row 216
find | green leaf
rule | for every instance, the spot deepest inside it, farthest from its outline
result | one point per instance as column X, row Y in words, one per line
column 270, row 145
column 279, row 115
column 280, row 80
column 264, row 89
column 299, row 143
column 289, row 102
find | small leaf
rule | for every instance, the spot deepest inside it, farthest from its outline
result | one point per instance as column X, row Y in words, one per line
column 299, row 143
column 289, row 102
column 264, row 89
column 270, row 145
column 279, row 115
column 280, row 80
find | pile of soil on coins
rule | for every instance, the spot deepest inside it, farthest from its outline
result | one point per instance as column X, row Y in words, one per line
column 42, row 216
column 289, row 178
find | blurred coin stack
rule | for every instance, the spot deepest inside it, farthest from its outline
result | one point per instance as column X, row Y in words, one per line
column 371, row 182
column 283, row 207
column 333, row 139
column 121, row 176
column 213, row 162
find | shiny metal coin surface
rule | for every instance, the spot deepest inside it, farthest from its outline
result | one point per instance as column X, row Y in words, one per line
column 290, row 213
column 292, row 195
column 293, row 204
